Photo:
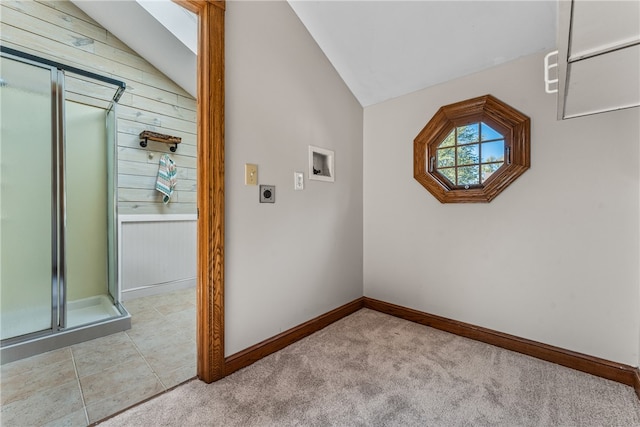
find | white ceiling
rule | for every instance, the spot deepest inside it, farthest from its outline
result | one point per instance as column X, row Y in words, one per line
column 384, row 49
column 381, row 49
column 161, row 32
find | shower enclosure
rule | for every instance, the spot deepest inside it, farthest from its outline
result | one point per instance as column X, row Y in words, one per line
column 58, row 234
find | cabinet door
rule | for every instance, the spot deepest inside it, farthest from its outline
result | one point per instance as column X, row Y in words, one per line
column 602, row 26
column 599, row 56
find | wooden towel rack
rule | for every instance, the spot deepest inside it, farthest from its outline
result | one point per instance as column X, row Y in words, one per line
column 147, row 135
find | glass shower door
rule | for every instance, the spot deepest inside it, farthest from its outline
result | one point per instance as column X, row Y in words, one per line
column 28, row 270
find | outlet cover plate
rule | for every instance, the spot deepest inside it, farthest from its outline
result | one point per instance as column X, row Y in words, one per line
column 267, row 194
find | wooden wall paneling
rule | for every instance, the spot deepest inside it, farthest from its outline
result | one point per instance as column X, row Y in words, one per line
column 66, row 20
column 40, row 21
column 77, row 50
column 69, row 9
column 61, row 32
column 170, row 110
column 150, row 92
column 188, row 103
column 79, row 57
column 153, row 119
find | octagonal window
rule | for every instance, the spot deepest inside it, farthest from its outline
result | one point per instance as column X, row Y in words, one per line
column 470, row 154
column 472, row 150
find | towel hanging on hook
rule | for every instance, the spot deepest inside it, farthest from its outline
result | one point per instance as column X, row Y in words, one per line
column 167, row 177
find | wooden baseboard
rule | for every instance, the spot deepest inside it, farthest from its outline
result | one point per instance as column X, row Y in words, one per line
column 253, row 354
column 618, row 372
column 621, row 373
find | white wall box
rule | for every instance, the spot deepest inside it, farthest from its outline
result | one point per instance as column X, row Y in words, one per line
column 599, row 56
column 321, row 164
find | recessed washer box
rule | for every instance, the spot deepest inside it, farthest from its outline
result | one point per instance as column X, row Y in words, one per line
column 267, row 194
column 321, row 165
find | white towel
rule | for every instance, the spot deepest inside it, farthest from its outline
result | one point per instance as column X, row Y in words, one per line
column 166, row 181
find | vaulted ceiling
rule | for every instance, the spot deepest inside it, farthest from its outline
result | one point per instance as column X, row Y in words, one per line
column 381, row 49
column 384, row 49
column 163, row 33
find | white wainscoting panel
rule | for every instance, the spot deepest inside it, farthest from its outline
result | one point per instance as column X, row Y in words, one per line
column 157, row 254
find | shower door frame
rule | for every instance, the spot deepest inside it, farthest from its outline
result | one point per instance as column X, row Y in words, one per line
column 54, row 79
column 58, row 195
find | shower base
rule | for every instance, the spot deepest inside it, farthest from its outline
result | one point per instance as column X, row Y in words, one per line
column 87, row 319
column 88, row 310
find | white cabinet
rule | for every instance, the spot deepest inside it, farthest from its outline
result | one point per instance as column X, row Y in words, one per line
column 599, row 56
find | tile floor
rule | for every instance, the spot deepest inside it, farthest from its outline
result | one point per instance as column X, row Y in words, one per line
column 86, row 382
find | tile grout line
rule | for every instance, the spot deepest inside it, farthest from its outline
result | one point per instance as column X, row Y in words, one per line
column 154, row 307
column 146, row 361
column 75, row 368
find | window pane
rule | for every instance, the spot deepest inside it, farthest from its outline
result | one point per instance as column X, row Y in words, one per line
column 488, row 170
column 446, row 157
column 468, row 154
column 450, row 174
column 468, row 134
column 450, row 140
column 488, row 133
column 493, row 151
column 468, row 175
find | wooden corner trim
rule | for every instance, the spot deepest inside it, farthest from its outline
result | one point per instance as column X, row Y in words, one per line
column 211, row 186
column 618, row 372
column 252, row 354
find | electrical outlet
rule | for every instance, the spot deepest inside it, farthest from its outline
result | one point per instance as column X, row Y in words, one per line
column 298, row 181
column 250, row 174
column 267, row 194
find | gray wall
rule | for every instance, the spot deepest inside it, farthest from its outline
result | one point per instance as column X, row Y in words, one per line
column 302, row 256
column 554, row 258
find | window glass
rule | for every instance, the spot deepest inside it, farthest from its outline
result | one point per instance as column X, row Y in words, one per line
column 450, row 174
column 468, row 134
column 488, row 133
column 468, row 154
column 464, row 160
column 493, row 151
column 488, row 170
column 450, row 140
column 446, row 157
column 468, row 175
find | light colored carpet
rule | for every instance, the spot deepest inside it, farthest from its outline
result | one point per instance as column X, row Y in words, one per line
column 371, row 369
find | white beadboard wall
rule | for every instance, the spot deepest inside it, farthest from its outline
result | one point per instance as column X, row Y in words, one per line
column 157, row 254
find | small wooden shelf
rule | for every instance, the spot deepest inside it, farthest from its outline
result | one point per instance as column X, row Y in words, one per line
column 147, row 135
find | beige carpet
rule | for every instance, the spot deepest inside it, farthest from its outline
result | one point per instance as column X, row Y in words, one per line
column 371, row 369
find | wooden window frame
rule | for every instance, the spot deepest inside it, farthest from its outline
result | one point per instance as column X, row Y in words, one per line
column 511, row 123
